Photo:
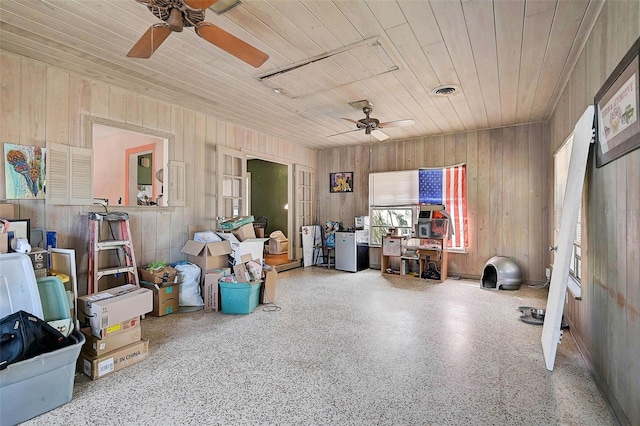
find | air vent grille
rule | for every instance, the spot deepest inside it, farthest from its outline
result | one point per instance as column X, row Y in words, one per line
column 446, row 90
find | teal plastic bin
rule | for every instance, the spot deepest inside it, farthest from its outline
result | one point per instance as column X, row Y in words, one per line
column 54, row 298
column 56, row 305
column 239, row 298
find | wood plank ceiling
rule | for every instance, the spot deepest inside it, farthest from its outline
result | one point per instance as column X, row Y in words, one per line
column 509, row 58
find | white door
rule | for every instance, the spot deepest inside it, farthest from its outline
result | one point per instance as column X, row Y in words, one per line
column 304, row 181
column 551, row 332
column 232, row 192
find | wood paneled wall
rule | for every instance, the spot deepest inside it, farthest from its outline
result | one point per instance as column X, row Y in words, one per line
column 41, row 103
column 606, row 322
column 507, row 177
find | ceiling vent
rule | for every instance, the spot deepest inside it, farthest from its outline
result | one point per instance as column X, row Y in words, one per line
column 446, row 90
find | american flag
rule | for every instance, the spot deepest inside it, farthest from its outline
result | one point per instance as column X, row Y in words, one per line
column 447, row 186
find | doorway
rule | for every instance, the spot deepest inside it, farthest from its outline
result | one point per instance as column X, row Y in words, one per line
column 269, row 201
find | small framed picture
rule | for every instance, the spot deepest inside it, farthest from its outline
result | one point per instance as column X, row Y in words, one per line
column 21, row 228
column 341, row 182
column 617, row 103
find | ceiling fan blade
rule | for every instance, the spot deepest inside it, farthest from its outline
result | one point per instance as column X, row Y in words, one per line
column 348, row 131
column 231, row 44
column 379, row 134
column 351, row 120
column 398, row 123
column 149, row 42
column 200, row 4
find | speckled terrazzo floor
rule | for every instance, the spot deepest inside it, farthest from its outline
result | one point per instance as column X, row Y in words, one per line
column 348, row 349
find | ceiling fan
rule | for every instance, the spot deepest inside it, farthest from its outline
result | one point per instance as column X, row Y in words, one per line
column 178, row 14
column 371, row 125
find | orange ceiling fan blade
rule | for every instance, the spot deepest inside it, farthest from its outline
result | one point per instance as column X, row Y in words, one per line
column 149, row 42
column 231, row 44
column 200, row 4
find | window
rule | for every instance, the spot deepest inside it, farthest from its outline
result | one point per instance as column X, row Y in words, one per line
column 561, row 172
column 384, row 218
column 394, row 198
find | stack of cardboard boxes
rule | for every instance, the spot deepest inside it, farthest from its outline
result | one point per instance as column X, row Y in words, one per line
column 111, row 325
column 163, row 281
column 227, row 251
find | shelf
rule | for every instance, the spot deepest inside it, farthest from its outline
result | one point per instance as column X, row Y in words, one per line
column 428, row 250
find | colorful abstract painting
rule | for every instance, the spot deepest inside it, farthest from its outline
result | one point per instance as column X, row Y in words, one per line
column 24, row 171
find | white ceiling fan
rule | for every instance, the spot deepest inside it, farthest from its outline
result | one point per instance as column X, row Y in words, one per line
column 372, row 125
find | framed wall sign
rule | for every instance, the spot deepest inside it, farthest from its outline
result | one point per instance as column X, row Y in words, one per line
column 20, row 228
column 341, row 182
column 617, row 103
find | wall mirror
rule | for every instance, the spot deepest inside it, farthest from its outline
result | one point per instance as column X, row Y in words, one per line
column 129, row 163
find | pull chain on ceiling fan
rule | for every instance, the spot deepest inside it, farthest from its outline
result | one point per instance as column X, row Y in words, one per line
column 178, row 14
column 371, row 125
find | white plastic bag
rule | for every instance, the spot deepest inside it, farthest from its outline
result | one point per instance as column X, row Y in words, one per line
column 189, row 274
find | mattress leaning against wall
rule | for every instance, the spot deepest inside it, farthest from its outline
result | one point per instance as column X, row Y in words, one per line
column 34, row 386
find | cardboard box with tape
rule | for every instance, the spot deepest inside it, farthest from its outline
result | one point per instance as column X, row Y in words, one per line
column 113, row 306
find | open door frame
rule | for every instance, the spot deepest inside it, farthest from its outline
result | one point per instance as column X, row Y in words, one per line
column 293, row 233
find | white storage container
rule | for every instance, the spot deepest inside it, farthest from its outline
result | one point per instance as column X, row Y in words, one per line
column 18, row 286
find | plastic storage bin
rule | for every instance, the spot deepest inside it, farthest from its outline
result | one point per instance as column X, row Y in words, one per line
column 34, row 386
column 56, row 306
column 18, row 286
column 239, row 298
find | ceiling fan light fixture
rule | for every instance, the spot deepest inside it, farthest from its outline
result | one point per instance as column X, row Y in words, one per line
column 445, row 90
column 223, row 6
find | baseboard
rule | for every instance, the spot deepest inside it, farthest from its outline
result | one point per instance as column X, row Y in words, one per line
column 615, row 407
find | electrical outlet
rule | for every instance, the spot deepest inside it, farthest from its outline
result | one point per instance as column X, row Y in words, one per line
column 547, row 272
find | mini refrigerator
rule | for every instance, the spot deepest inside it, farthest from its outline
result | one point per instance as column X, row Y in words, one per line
column 352, row 250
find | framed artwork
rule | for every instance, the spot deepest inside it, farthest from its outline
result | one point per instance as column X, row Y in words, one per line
column 617, row 103
column 341, row 182
column 20, row 228
column 24, row 169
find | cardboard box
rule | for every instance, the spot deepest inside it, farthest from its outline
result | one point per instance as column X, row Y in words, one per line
column 210, row 290
column 8, row 211
column 268, row 291
column 166, row 298
column 112, row 306
column 244, row 232
column 41, row 273
column 4, row 243
column 252, row 246
column 121, row 327
column 164, row 276
column 96, row 367
column 97, row 347
column 39, row 258
column 208, row 256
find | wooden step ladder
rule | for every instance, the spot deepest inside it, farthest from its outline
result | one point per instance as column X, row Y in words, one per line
column 96, row 220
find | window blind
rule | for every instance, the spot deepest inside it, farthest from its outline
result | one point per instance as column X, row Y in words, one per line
column 393, row 188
